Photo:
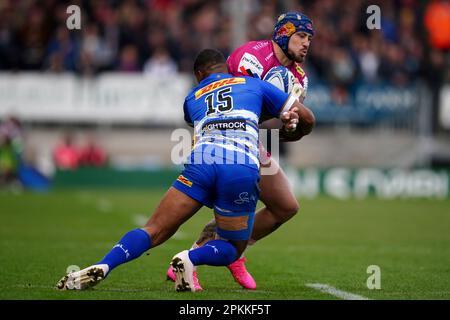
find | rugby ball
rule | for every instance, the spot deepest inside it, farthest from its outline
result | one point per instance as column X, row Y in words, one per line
column 281, row 78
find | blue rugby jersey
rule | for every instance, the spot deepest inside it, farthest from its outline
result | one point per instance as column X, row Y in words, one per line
column 225, row 110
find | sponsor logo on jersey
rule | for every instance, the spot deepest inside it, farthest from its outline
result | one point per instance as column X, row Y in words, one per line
column 269, row 56
column 260, row 45
column 184, row 180
column 299, row 70
column 305, row 85
column 243, row 198
column 218, row 84
column 250, row 65
column 236, row 124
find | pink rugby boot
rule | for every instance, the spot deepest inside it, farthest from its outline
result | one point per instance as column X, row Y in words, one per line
column 241, row 275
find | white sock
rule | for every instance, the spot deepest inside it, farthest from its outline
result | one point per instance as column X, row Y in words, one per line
column 104, row 267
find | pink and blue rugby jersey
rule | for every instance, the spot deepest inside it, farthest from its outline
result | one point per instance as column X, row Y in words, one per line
column 256, row 58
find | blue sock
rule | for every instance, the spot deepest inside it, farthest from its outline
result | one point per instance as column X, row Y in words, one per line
column 131, row 246
column 214, row 253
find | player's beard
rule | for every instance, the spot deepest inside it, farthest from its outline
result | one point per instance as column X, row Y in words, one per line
column 299, row 58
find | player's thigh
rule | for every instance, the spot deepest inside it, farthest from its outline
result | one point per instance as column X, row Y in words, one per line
column 276, row 191
column 173, row 210
column 198, row 182
column 189, row 191
column 237, row 194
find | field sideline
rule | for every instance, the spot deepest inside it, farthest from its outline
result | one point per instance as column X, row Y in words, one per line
column 329, row 242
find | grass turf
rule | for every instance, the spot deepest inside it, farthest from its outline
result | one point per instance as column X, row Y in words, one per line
column 330, row 242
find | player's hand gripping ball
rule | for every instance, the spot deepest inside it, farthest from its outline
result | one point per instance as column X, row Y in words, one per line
column 285, row 80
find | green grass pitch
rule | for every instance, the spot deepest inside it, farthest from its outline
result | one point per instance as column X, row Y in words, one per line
column 329, row 242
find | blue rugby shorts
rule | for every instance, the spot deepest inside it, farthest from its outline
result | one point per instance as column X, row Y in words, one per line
column 230, row 189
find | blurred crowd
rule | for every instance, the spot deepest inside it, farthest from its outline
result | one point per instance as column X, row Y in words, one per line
column 11, row 147
column 68, row 154
column 17, row 165
column 162, row 36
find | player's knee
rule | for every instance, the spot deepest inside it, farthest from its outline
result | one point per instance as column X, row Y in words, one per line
column 287, row 210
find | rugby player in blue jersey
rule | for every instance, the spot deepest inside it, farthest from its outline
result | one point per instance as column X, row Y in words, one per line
column 292, row 36
column 222, row 173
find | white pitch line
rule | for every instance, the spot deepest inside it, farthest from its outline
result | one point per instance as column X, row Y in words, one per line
column 335, row 292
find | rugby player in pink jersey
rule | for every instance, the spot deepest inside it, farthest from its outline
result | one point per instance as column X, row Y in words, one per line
column 289, row 46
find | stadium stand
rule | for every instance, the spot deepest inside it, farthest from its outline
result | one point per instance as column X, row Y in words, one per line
column 367, row 87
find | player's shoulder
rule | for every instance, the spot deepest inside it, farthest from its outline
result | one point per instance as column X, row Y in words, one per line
column 191, row 92
column 251, row 59
column 256, row 46
column 253, row 50
column 190, row 96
